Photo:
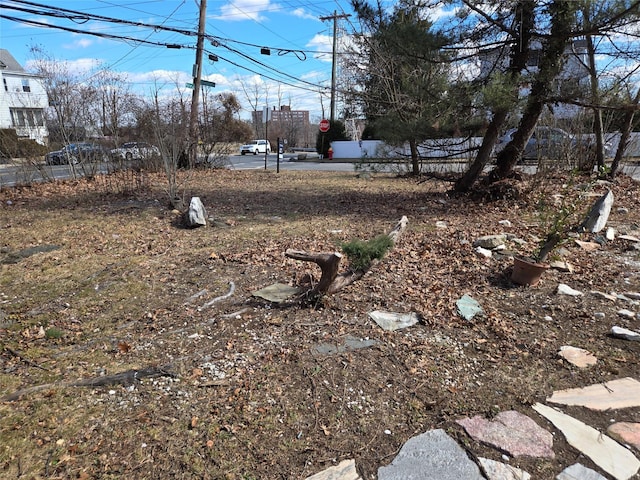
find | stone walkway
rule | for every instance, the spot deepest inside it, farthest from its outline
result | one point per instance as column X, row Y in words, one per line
column 434, row 455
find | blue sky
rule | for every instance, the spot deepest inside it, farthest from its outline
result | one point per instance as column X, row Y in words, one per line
column 298, row 68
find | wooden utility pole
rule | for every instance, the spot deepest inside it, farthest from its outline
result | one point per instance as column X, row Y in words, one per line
column 335, row 17
column 195, row 97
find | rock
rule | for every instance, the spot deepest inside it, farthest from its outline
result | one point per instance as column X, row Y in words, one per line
column 567, row 290
column 610, row 234
column 579, row 357
column 505, row 223
column 468, row 307
column 483, row 252
column 629, row 238
column 605, row 452
column 490, row 241
column 561, row 266
column 394, row 321
column 621, row 393
column 434, row 455
column 626, row 313
column 441, row 224
column 599, row 213
column 623, row 210
column 276, row 293
column 587, row 246
column 349, row 344
column 625, row 334
column 579, row 472
column 345, row 470
column 196, row 215
column 626, row 432
column 511, row 432
column 606, row 296
column 632, row 295
column 501, row 471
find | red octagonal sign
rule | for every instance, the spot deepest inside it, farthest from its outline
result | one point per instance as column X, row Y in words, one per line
column 324, row 125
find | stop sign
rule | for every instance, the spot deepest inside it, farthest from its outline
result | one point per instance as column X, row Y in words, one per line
column 324, row 125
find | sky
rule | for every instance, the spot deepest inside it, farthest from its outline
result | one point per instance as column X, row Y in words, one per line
column 297, row 72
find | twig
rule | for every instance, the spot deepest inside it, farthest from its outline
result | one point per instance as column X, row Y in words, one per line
column 232, row 289
column 25, row 360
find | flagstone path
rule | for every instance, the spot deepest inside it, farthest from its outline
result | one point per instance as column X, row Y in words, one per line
column 434, row 455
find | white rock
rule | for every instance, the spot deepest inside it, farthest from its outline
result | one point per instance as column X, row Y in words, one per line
column 605, row 452
column 610, row 234
column 483, row 252
column 441, row 224
column 502, row 471
column 579, row 472
column 345, row 470
column 505, row 223
column 626, row 313
column 626, row 334
column 567, row 290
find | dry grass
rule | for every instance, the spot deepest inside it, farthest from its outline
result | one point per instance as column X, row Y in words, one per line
column 250, row 398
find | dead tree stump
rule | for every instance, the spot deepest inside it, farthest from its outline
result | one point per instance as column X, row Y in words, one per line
column 329, row 263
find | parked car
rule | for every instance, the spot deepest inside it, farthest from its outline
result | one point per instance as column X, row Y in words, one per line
column 135, row 151
column 551, row 142
column 75, row 153
column 256, row 147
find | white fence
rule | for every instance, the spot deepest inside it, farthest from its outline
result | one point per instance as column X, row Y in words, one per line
column 444, row 148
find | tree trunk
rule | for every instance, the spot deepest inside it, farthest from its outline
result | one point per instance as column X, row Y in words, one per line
column 597, row 156
column 524, row 18
column 627, row 127
column 415, row 160
column 551, row 62
column 329, row 263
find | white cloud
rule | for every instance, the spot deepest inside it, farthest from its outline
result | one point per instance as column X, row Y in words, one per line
column 322, row 43
column 239, row 10
column 302, row 13
column 77, row 44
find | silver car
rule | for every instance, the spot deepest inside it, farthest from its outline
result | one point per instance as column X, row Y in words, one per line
column 551, row 142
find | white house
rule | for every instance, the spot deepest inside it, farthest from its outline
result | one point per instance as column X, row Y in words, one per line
column 574, row 71
column 23, row 100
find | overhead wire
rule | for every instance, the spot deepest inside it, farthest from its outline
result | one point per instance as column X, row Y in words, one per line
column 58, row 12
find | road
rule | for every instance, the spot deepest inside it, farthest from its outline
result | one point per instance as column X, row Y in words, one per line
column 11, row 175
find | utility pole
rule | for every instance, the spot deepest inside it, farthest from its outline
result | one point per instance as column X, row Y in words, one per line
column 197, row 75
column 335, row 17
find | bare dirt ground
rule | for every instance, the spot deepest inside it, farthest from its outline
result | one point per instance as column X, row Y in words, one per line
column 238, row 390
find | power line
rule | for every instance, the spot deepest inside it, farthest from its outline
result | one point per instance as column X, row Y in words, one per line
column 137, row 41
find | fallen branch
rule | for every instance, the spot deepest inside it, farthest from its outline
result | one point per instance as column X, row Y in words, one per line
column 124, row 378
column 25, row 360
column 232, row 289
column 329, row 263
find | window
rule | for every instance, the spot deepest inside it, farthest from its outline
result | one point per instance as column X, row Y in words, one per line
column 25, row 85
column 27, row 117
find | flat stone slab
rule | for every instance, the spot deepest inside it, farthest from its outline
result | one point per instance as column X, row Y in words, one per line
column 433, row 455
column 625, row 334
column 626, row 432
column 605, row 452
column 345, row 470
column 579, row 472
column 579, row 357
column 511, row 432
column 391, row 321
column 468, row 307
column 501, row 471
column 276, row 293
column 346, row 344
column 621, row 393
